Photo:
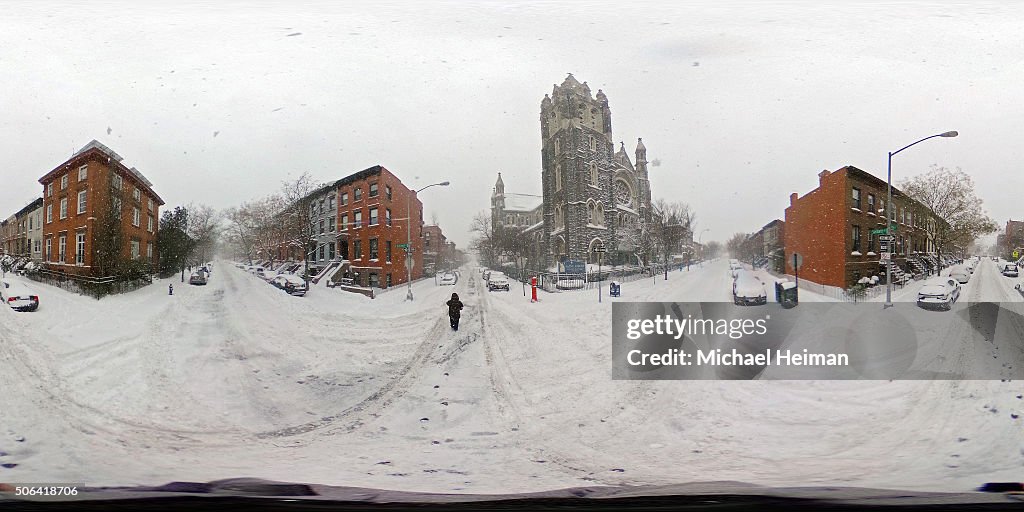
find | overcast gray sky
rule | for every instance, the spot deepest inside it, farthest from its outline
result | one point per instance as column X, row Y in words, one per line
column 741, row 102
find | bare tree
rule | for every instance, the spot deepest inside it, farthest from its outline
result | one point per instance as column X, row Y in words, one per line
column 514, row 245
column 299, row 196
column 484, row 243
column 712, row 249
column 736, row 244
column 203, row 229
column 268, row 235
column 950, row 195
column 675, row 232
column 241, row 230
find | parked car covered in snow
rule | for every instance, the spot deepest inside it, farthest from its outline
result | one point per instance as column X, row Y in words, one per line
column 497, row 281
column 1010, row 270
column 18, row 296
column 449, row 279
column 939, row 292
column 748, row 290
column 960, row 274
column 198, row 278
column 290, row 283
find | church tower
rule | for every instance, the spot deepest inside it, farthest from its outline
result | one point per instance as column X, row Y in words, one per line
column 498, row 203
column 576, row 149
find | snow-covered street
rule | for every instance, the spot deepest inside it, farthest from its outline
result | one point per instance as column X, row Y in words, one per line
column 240, row 379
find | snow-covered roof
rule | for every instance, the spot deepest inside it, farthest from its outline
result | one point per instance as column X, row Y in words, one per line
column 522, row 202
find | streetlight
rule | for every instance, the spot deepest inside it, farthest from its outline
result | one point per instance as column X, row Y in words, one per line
column 889, row 217
column 408, row 236
column 699, row 237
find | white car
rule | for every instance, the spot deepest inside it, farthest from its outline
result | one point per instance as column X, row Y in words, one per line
column 960, row 274
column 449, row 279
column 1010, row 270
column 735, row 267
column 748, row 290
column 497, row 281
column 18, row 296
column 290, row 283
column 938, row 291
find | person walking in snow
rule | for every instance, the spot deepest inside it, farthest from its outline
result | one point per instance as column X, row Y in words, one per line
column 454, row 310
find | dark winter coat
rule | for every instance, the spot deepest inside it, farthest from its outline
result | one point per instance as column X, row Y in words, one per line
column 454, row 308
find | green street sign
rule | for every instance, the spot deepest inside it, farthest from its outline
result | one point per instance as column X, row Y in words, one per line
column 403, row 246
column 878, row 231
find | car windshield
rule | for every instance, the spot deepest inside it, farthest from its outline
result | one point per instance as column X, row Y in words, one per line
column 744, row 247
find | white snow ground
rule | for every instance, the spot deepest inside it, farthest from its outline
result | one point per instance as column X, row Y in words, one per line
column 239, row 379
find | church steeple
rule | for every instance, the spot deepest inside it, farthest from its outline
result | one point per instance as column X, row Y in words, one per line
column 499, row 186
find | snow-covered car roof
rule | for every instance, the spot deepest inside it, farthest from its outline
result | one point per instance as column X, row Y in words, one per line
column 291, row 278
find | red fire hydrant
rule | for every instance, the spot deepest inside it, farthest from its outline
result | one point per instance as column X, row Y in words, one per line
column 533, row 287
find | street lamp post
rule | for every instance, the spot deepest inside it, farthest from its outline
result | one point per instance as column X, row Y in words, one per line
column 699, row 238
column 408, row 236
column 890, row 217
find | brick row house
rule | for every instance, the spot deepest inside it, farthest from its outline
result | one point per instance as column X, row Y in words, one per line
column 830, row 227
column 21, row 233
column 97, row 212
column 374, row 213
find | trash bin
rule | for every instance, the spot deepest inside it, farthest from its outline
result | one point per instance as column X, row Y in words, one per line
column 790, row 294
column 614, row 289
column 778, row 289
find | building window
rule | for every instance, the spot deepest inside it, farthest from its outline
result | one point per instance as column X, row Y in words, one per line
column 558, row 147
column 357, row 250
column 149, row 224
column 389, row 280
column 321, row 252
column 387, row 254
column 330, row 224
column 387, row 216
column 323, row 226
column 116, row 205
column 115, row 182
column 62, row 247
column 63, row 208
column 593, row 173
column 80, row 248
column 81, row 201
column 344, row 222
column 149, row 250
column 135, row 249
column 593, row 143
column 149, row 204
column 137, row 194
column 373, row 216
column 357, row 194
column 856, row 238
column 136, row 216
column 83, row 172
column 871, row 202
column 344, row 198
column 387, row 192
column 49, row 189
column 64, row 182
column 374, row 279
column 357, row 219
column 49, row 248
column 374, row 249
column 871, row 242
column 558, row 177
column 49, row 213
column 332, row 202
column 373, row 190
column 330, row 251
column 856, row 198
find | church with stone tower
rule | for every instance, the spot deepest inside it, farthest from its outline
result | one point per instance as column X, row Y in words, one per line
column 593, row 195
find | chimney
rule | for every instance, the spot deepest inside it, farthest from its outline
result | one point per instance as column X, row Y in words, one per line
column 823, row 174
column 792, row 198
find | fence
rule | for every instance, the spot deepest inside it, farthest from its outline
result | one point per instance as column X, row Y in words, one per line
column 560, row 281
column 95, row 287
column 837, row 293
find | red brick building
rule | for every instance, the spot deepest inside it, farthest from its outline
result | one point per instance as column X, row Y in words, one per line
column 830, row 227
column 93, row 200
column 374, row 213
column 1013, row 238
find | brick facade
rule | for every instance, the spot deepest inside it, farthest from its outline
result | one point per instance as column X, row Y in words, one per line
column 359, row 195
column 831, row 228
column 88, row 190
